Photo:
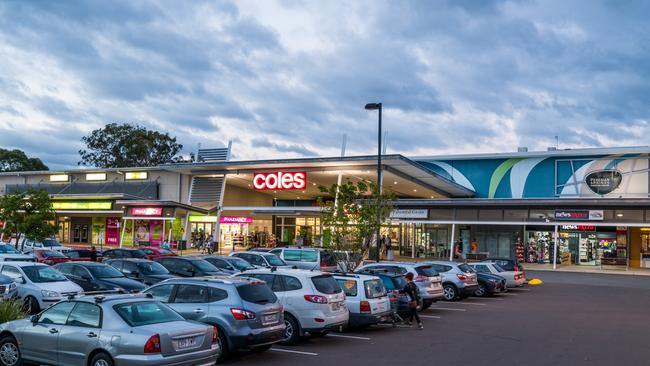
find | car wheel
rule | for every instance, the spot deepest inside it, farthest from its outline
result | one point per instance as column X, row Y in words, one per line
column 9, row 352
column 102, row 359
column 30, row 305
column 480, row 291
column 222, row 340
column 318, row 333
column 450, row 292
column 292, row 330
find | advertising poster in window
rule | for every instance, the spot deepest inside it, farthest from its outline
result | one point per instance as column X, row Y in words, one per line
column 127, row 239
column 141, row 232
column 155, row 234
column 99, row 228
column 112, row 231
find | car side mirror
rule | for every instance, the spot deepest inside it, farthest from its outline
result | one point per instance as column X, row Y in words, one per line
column 34, row 319
column 20, row 279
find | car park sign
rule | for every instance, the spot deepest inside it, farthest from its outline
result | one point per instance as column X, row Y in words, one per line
column 279, row 181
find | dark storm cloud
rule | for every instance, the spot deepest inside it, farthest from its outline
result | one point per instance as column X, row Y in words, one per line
column 454, row 76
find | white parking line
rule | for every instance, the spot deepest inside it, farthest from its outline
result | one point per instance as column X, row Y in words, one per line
column 467, row 303
column 491, row 298
column 348, row 336
column 508, row 294
column 297, row 352
column 450, row 309
column 430, row 316
column 520, row 289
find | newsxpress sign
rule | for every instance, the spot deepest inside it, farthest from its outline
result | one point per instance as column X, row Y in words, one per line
column 280, row 181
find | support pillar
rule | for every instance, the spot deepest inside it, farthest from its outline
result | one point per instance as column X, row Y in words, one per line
column 555, row 239
column 453, row 239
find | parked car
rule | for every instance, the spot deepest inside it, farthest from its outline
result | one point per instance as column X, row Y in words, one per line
column 107, row 331
column 429, row 281
column 393, row 283
column 50, row 257
column 8, row 288
column 93, row 276
column 124, row 253
column 157, row 252
column 247, row 313
column 39, row 285
column 307, row 258
column 366, row 299
column 188, row 266
column 261, row 259
column 507, row 264
column 513, row 279
column 229, row 265
column 489, row 284
column 8, row 253
column 458, row 279
column 80, row 255
column 50, row 244
column 261, row 250
column 143, row 270
column 313, row 301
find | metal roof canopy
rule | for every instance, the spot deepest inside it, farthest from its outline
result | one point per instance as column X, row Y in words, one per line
column 548, row 153
column 162, row 203
column 395, row 163
column 488, row 203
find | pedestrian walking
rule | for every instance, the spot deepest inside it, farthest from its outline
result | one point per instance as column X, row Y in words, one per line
column 473, row 246
column 388, row 244
column 93, row 254
column 411, row 290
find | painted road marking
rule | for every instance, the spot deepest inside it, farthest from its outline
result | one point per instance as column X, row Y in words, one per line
column 430, row 316
column 489, row 298
column 348, row 336
column 449, row 309
column 296, row 352
column 520, row 289
column 467, row 303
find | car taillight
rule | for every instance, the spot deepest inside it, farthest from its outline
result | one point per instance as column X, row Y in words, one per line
column 215, row 334
column 516, row 268
column 241, row 314
column 462, row 277
column 421, row 278
column 364, row 307
column 153, row 344
column 318, row 299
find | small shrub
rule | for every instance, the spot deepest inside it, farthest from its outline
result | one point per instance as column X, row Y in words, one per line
column 11, row 310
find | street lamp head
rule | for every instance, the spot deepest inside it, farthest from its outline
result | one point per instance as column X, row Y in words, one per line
column 373, row 106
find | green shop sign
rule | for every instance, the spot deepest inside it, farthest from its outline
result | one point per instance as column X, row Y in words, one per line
column 194, row 218
column 84, row 205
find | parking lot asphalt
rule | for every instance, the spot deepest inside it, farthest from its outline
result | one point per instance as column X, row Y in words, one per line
column 572, row 319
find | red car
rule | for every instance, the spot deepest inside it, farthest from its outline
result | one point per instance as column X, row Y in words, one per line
column 156, row 252
column 50, row 257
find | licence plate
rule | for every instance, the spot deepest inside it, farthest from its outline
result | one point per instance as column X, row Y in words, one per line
column 436, row 286
column 269, row 319
column 184, row 343
column 336, row 306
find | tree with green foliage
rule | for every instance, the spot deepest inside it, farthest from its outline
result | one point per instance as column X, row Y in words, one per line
column 28, row 215
column 351, row 216
column 17, row 161
column 128, row 145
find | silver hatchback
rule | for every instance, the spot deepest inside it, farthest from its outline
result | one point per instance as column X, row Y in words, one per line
column 124, row 330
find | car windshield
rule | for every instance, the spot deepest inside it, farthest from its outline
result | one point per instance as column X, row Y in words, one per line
column 204, row 266
column 258, row 293
column 374, row 288
column 137, row 253
column 51, row 243
column 152, row 268
column 165, row 251
column 8, row 249
column 498, row 267
column 465, row 268
column 427, row 271
column 104, row 271
column 240, row 264
column 40, row 274
column 274, row 260
column 326, row 284
column 145, row 313
column 52, row 254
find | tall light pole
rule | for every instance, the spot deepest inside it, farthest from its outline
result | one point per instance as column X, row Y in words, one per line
column 378, row 107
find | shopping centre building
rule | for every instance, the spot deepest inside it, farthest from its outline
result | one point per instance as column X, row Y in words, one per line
column 593, row 205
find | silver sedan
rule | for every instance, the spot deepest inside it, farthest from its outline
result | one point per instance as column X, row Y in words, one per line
column 122, row 330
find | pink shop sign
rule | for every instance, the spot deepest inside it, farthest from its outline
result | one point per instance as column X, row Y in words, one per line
column 235, row 220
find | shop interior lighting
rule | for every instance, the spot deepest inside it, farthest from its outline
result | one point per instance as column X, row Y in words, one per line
column 95, row 176
column 395, row 182
column 619, row 215
column 59, row 178
column 136, row 175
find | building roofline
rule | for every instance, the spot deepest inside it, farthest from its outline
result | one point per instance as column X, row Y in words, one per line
column 548, row 153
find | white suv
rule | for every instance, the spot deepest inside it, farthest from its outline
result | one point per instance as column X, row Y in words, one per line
column 366, row 298
column 313, row 301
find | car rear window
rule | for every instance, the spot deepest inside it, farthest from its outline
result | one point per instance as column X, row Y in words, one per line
column 498, row 267
column 465, row 268
column 258, row 293
column 399, row 282
column 309, row 256
column 427, row 271
column 327, row 258
column 326, row 284
column 348, row 286
column 374, row 288
column 144, row 313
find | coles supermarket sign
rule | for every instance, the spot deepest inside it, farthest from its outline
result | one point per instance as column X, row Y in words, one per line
column 278, row 181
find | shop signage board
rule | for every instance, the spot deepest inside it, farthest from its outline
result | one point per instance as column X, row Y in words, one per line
column 198, row 218
column 579, row 215
column 112, row 230
column 235, row 220
column 82, row 205
column 280, row 181
column 577, row 228
column 146, row 211
column 603, row 181
column 409, row 214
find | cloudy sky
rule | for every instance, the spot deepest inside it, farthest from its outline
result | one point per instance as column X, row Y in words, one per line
column 288, row 78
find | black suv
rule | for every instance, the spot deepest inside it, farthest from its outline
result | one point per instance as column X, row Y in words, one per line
column 92, row 276
column 188, row 267
column 124, row 253
column 143, row 270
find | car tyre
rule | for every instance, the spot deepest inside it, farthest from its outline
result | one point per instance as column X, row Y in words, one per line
column 9, row 352
column 222, row 339
column 102, row 359
column 31, row 305
column 318, row 333
column 481, row 290
column 292, row 330
column 450, row 292
column 261, row 349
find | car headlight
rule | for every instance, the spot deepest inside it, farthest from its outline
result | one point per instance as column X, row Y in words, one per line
column 11, row 287
column 47, row 293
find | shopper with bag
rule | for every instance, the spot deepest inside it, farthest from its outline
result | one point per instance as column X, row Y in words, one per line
column 411, row 290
